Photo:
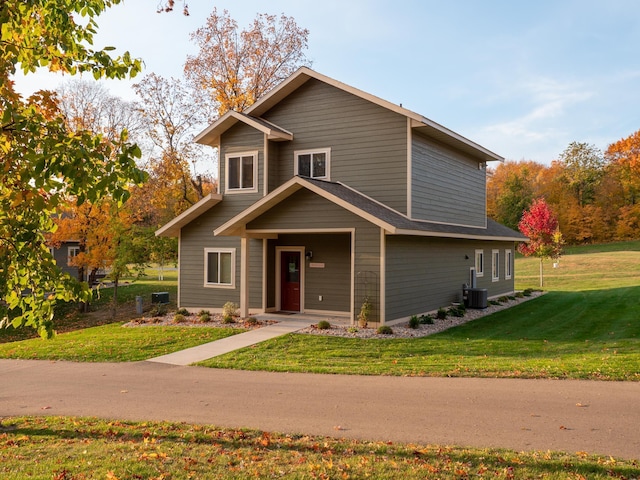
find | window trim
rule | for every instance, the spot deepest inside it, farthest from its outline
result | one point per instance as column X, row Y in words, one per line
column 508, row 264
column 232, row 251
column 495, row 265
column 326, row 151
column 479, row 258
column 227, row 157
column 72, row 248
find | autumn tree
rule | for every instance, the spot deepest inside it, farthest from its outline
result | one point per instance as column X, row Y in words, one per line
column 236, row 67
column 42, row 161
column 583, row 168
column 172, row 118
column 540, row 225
column 624, row 156
column 511, row 188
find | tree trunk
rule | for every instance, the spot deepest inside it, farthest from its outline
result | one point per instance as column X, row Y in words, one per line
column 114, row 305
column 541, row 275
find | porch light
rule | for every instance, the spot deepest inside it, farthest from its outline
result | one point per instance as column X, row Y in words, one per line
column 308, row 255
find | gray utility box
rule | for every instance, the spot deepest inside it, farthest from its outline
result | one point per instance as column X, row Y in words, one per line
column 475, row 297
column 160, row 297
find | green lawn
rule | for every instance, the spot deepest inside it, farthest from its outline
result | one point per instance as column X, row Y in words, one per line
column 45, row 448
column 113, row 343
column 587, row 327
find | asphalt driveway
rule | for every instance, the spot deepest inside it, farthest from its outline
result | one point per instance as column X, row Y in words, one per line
column 565, row 415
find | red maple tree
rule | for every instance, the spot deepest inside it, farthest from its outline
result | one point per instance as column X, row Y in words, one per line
column 540, row 225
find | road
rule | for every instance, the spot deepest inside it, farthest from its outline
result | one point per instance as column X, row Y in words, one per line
column 564, row 415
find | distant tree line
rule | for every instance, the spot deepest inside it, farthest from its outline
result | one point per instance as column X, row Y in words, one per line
column 594, row 195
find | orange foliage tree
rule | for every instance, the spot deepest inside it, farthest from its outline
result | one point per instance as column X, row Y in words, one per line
column 238, row 67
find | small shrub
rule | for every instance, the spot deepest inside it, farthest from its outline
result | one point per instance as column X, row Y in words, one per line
column 519, row 295
column 456, row 311
column 494, row 302
column 251, row 321
column 183, row 311
column 414, row 321
column 503, row 299
column 365, row 311
column 179, row 318
column 204, row 312
column 324, row 325
column 527, row 292
column 158, row 310
column 228, row 319
column 426, row 320
column 204, row 317
column 385, row 330
column 229, row 309
column 441, row 314
column 352, row 330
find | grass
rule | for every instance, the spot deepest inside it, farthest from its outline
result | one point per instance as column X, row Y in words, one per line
column 64, row 448
column 113, row 343
column 587, row 327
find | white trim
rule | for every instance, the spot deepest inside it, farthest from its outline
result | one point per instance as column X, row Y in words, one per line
column 508, row 264
column 244, row 277
column 265, row 166
column 479, row 271
column 240, row 155
column 278, row 268
column 173, row 227
column 422, row 233
column 383, row 277
column 409, row 169
column 179, row 265
column 72, row 248
column 232, row 251
column 265, row 278
column 495, row 265
column 311, row 151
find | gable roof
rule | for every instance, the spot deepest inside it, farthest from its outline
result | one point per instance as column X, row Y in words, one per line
column 378, row 214
column 172, row 229
column 251, row 116
column 211, row 134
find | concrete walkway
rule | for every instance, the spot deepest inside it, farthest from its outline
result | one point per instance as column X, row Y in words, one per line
column 229, row 344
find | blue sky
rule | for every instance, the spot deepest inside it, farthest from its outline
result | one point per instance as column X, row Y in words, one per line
column 522, row 78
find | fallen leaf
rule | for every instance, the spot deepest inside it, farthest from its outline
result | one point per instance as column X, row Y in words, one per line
column 124, row 391
column 582, row 405
column 45, row 408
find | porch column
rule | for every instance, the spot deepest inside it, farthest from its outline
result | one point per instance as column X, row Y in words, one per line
column 244, row 277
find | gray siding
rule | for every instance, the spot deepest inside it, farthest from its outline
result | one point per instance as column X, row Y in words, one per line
column 446, row 186
column 424, row 274
column 197, row 236
column 239, row 139
column 305, row 210
column 368, row 143
column 332, row 281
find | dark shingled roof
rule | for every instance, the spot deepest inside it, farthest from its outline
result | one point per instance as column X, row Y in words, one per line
column 493, row 230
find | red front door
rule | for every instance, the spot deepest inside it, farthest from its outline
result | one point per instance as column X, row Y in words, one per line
column 290, row 279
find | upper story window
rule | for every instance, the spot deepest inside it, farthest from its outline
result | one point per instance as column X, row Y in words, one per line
column 242, row 172
column 72, row 252
column 312, row 163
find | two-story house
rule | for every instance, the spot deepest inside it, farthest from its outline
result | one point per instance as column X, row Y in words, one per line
column 329, row 196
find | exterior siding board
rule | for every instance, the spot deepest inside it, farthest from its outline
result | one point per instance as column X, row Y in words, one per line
column 197, row 236
column 363, row 137
column 305, row 210
column 433, row 274
column 239, row 139
column 447, row 186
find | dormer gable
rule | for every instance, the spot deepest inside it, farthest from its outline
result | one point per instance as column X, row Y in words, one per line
column 211, row 135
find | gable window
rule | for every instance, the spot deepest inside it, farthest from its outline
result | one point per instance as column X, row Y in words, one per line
column 479, row 263
column 242, row 172
column 495, row 265
column 312, row 163
column 219, row 267
column 508, row 262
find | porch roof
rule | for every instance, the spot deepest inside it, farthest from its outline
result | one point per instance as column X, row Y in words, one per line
column 386, row 218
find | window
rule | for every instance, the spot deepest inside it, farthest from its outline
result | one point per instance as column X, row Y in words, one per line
column 313, row 163
column 495, row 265
column 72, row 252
column 242, row 172
column 508, row 262
column 479, row 263
column 219, row 267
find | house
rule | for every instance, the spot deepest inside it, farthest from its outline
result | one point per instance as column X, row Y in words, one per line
column 329, row 196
